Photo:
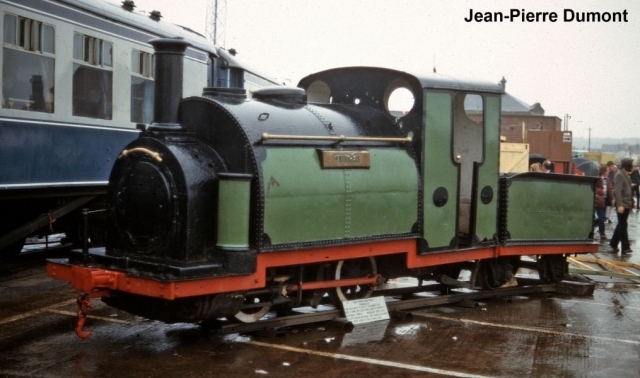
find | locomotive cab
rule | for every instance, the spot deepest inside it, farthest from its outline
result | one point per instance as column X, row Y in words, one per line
column 457, row 145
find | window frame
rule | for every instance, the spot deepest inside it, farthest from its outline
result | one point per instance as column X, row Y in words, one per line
column 24, row 42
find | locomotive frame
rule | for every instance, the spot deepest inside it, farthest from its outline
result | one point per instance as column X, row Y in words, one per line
column 208, row 217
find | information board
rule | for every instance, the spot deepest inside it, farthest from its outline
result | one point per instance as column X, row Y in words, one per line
column 366, row 310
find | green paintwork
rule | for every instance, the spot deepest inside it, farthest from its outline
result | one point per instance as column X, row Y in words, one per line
column 487, row 215
column 549, row 210
column 439, row 170
column 233, row 213
column 305, row 203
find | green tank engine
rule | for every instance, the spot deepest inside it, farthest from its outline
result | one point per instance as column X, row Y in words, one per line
column 277, row 196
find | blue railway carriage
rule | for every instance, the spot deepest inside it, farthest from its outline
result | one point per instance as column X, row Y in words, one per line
column 77, row 79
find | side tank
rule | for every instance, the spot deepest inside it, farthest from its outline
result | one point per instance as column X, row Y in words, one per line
column 324, row 174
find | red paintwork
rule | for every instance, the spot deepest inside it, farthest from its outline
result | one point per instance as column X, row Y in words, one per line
column 89, row 279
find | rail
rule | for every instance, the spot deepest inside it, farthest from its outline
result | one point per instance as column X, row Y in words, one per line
column 397, row 307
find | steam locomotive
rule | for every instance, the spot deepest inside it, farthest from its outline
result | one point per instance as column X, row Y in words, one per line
column 228, row 206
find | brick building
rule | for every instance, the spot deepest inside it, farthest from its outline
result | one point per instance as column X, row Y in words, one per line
column 524, row 123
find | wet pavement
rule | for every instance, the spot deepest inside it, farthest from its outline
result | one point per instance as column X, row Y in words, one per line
column 526, row 336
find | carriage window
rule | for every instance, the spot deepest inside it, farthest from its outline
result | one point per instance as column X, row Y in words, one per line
column 92, row 77
column 10, row 29
column 253, row 82
column 28, row 65
column 142, row 63
column 142, row 86
column 47, row 39
column 78, row 48
column 107, row 52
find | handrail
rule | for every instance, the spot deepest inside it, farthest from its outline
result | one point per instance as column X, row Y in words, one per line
column 340, row 138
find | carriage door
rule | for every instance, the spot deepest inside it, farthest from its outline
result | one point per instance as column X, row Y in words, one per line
column 460, row 169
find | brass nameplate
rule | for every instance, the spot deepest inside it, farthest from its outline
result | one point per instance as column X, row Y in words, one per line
column 345, row 159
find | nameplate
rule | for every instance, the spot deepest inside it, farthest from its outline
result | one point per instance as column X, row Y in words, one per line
column 345, row 159
column 366, row 310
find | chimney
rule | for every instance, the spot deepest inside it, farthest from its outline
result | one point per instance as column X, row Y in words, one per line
column 503, row 84
column 169, row 56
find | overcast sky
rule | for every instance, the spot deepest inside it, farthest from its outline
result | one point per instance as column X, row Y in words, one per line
column 587, row 70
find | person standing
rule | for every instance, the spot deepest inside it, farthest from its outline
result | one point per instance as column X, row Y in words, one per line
column 624, row 204
column 604, row 190
column 635, row 187
column 613, row 169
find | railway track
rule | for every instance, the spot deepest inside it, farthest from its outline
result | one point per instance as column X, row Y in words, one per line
column 399, row 303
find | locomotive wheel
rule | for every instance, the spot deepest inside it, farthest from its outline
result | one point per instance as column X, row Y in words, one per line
column 552, row 268
column 496, row 272
column 355, row 268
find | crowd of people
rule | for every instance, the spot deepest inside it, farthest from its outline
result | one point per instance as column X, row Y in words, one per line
column 617, row 191
column 544, row 167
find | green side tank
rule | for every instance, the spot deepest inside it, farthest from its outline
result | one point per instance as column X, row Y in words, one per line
column 304, row 202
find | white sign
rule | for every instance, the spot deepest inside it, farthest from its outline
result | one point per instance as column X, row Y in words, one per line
column 366, row 310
